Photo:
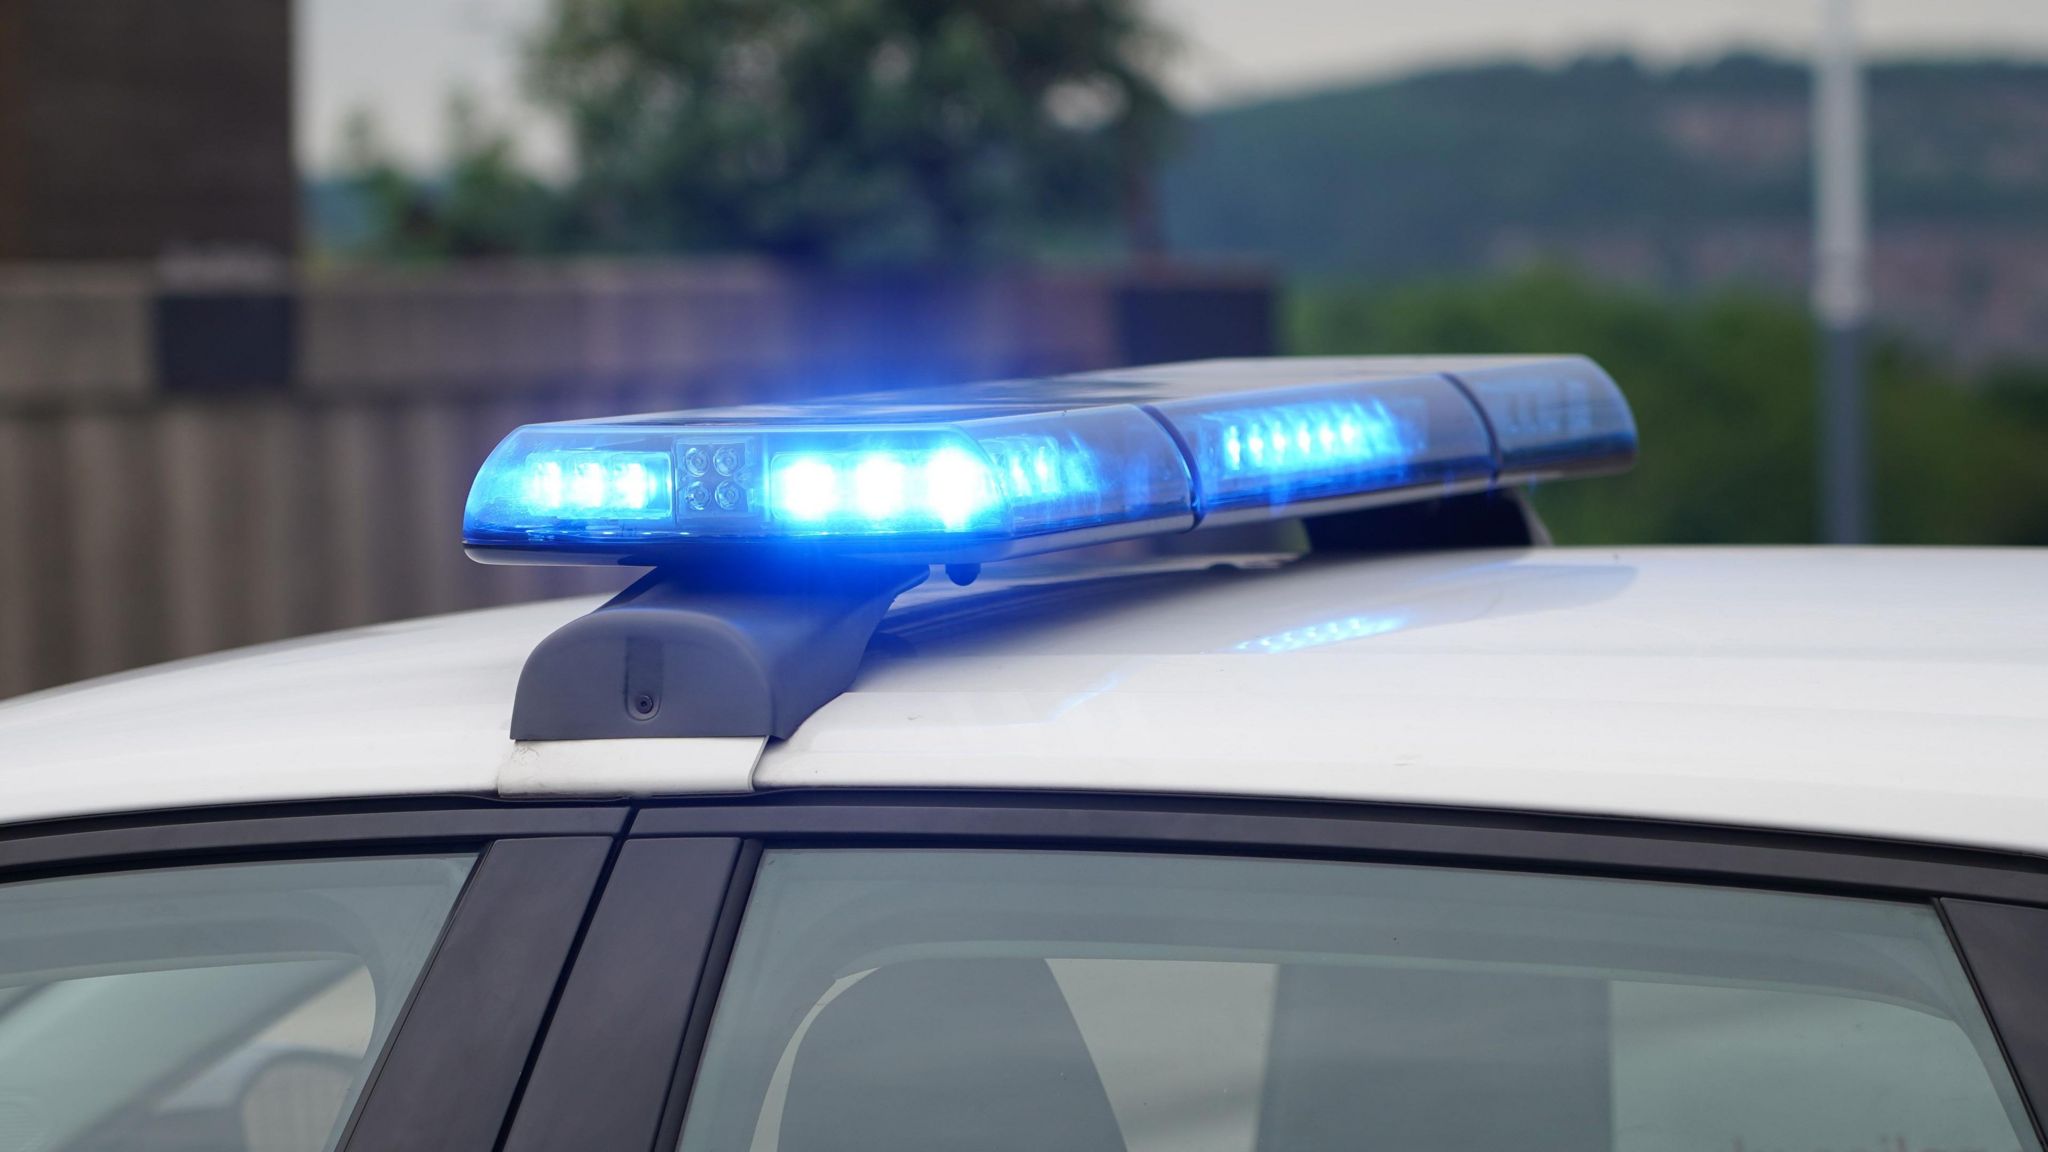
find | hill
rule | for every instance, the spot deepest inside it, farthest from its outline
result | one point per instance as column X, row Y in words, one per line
column 1677, row 179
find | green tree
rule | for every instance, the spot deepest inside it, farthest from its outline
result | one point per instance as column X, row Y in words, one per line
column 491, row 205
column 853, row 129
column 392, row 202
column 484, row 204
column 1723, row 391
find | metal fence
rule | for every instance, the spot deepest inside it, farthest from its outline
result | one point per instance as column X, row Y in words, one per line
column 189, row 467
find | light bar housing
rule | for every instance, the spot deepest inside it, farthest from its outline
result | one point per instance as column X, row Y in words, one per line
column 988, row 471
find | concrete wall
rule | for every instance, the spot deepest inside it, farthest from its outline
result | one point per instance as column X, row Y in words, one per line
column 147, row 514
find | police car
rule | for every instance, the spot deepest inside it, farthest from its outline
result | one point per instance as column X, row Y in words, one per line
column 1206, row 758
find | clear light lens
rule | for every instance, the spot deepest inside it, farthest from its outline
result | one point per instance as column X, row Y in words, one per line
column 1563, row 414
column 1085, row 470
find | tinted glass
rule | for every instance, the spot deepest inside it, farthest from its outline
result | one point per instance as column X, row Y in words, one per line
column 226, row 1008
column 924, row 1001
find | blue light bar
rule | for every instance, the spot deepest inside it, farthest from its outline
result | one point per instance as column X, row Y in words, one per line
column 1016, row 467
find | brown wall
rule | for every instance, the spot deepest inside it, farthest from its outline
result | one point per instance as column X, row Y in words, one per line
column 141, row 521
column 130, row 129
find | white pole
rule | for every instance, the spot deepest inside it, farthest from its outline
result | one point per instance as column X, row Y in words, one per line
column 1841, row 290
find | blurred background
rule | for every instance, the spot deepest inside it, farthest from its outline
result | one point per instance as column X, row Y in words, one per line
column 276, row 274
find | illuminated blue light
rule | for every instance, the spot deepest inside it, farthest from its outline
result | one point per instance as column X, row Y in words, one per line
column 1037, row 468
column 878, row 487
column 883, row 490
column 951, row 488
column 1325, row 442
column 1314, row 437
column 958, row 487
column 806, row 488
column 593, row 485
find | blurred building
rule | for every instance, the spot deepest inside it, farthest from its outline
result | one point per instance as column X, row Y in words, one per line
column 135, row 129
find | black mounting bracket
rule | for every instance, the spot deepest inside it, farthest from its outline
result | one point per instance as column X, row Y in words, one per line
column 685, row 652
column 1498, row 518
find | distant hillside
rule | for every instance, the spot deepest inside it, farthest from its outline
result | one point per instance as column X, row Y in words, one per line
column 1672, row 178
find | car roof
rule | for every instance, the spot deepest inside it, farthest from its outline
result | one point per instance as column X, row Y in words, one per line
column 1892, row 693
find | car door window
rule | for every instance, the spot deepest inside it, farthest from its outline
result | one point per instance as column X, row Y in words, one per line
column 217, row 1008
column 922, row 1001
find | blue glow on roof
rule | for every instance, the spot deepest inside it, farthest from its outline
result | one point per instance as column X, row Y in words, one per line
column 918, row 479
column 1325, row 633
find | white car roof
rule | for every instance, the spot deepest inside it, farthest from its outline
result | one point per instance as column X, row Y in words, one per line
column 1891, row 693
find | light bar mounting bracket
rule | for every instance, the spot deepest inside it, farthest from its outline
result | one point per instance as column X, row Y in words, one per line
column 700, row 652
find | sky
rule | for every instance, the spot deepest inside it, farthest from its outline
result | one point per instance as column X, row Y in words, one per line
column 400, row 59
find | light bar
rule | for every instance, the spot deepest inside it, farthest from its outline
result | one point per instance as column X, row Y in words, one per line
column 1018, row 467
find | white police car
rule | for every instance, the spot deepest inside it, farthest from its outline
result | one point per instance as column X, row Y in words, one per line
column 1351, row 821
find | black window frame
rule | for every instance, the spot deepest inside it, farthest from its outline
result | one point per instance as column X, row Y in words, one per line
column 449, row 1074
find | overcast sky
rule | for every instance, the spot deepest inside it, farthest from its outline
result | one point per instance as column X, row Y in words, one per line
column 401, row 58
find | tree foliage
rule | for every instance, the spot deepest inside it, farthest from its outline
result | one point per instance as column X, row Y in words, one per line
column 1723, row 388
column 851, row 129
column 485, row 204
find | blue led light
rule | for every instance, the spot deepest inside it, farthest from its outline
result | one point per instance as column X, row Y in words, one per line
column 949, row 488
column 958, row 487
column 807, row 488
column 1304, row 444
column 1305, row 438
column 589, row 485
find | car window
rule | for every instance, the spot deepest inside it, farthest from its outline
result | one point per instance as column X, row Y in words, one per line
column 221, row 1008
column 922, row 1001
